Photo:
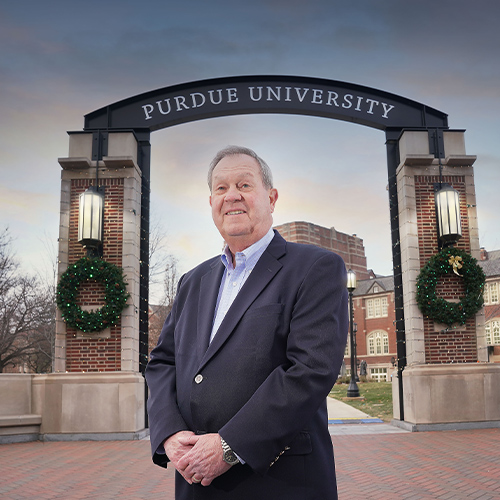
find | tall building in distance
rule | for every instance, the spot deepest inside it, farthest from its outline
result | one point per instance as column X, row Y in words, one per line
column 349, row 247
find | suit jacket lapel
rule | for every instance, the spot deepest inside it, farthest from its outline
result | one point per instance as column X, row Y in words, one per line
column 209, row 291
column 264, row 271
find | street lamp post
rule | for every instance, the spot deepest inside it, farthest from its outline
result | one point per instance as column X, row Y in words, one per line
column 356, row 363
column 352, row 391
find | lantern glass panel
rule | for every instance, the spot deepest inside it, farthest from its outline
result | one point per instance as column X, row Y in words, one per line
column 90, row 218
column 448, row 214
column 351, row 280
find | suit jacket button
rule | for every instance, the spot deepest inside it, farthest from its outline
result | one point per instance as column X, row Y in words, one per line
column 198, row 379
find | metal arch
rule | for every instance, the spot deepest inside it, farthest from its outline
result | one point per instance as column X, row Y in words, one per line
column 239, row 95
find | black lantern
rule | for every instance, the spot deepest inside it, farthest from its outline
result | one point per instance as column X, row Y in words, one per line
column 352, row 390
column 449, row 225
column 90, row 218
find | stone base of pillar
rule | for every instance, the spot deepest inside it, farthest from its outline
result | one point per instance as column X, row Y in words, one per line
column 79, row 406
column 449, row 396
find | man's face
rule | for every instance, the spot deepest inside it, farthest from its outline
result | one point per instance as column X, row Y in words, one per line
column 241, row 206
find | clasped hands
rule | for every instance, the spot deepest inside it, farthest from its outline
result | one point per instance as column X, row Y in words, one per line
column 198, row 458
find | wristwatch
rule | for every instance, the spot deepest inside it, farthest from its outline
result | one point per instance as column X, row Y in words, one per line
column 228, row 454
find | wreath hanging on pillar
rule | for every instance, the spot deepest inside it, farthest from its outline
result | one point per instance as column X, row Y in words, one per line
column 450, row 260
column 115, row 294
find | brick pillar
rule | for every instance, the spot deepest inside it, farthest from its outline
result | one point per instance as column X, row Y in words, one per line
column 426, row 341
column 97, row 391
column 447, row 383
column 116, row 348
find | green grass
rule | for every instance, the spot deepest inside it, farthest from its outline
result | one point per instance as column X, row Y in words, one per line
column 378, row 398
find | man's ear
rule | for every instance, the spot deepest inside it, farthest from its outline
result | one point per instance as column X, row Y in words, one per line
column 210, row 200
column 273, row 198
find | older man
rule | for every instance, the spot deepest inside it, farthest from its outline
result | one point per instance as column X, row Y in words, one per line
column 248, row 354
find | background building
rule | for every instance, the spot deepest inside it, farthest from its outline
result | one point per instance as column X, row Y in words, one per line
column 350, row 248
column 490, row 262
column 374, row 319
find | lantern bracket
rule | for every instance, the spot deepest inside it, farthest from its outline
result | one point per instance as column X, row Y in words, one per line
column 99, row 144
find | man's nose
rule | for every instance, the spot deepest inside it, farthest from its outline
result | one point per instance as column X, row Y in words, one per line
column 233, row 194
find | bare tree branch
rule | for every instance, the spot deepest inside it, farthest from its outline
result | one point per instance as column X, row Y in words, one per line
column 159, row 312
column 27, row 315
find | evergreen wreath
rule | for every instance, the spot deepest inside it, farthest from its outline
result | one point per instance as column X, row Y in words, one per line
column 115, row 296
column 462, row 264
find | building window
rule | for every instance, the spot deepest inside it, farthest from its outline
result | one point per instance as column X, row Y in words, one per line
column 378, row 374
column 492, row 329
column 378, row 343
column 376, row 308
column 491, row 293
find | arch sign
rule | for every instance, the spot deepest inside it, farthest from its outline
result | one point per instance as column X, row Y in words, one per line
column 265, row 94
column 294, row 95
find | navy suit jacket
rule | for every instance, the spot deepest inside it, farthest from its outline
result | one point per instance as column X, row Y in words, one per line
column 262, row 382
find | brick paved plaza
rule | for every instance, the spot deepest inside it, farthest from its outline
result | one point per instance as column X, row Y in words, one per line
column 448, row 465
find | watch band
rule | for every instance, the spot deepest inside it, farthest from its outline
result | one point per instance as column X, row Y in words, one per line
column 228, row 454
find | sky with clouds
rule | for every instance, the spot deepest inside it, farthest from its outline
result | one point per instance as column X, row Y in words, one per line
column 60, row 60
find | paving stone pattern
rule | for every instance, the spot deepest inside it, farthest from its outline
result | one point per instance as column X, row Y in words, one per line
column 446, row 465
column 451, row 465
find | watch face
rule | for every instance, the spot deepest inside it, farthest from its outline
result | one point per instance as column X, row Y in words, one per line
column 230, row 457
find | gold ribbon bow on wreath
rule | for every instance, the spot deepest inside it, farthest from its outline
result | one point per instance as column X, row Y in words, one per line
column 456, row 263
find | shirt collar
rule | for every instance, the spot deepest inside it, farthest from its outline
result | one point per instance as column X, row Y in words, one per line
column 250, row 255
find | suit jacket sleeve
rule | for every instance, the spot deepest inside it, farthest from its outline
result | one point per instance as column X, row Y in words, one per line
column 289, row 398
column 163, row 411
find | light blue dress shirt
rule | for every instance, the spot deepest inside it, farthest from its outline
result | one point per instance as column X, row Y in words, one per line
column 235, row 276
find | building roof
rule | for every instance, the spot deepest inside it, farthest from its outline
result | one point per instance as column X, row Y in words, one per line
column 490, row 267
column 385, row 283
column 494, row 255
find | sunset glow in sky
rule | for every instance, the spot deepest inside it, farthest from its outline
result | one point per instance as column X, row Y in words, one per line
column 60, row 60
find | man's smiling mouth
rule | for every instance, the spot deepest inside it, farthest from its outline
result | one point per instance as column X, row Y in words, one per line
column 235, row 212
